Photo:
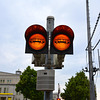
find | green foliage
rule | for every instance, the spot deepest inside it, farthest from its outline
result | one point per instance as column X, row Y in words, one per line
column 27, row 85
column 77, row 88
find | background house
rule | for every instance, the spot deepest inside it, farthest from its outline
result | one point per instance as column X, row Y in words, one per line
column 8, row 83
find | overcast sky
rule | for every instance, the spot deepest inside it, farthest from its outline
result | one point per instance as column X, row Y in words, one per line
column 17, row 15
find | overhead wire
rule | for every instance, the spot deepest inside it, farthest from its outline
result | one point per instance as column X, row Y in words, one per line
column 96, row 40
column 97, row 37
column 95, row 26
column 93, row 30
column 96, row 45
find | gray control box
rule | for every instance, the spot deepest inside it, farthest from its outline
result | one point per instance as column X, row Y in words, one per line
column 45, row 80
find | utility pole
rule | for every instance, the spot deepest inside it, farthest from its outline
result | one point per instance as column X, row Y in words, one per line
column 91, row 77
column 99, row 59
column 48, row 95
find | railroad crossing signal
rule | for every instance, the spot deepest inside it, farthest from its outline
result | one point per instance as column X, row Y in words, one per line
column 36, row 40
column 62, row 40
column 39, row 43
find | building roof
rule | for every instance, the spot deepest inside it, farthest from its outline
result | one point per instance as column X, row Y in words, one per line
column 7, row 73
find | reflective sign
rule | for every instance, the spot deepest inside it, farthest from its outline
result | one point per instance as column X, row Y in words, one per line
column 61, row 42
column 37, row 41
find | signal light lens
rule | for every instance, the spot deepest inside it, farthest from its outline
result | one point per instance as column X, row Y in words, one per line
column 37, row 41
column 61, row 42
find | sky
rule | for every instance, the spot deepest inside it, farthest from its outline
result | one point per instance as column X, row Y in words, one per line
column 17, row 15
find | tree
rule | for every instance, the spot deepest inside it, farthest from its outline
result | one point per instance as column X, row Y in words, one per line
column 77, row 88
column 27, row 85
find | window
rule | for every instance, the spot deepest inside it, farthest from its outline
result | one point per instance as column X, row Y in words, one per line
column 7, row 90
column 10, row 81
column 0, row 90
column 0, row 81
column 3, row 81
column 4, row 90
column 7, row 81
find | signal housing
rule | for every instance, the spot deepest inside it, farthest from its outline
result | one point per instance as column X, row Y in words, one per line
column 36, row 40
column 62, row 40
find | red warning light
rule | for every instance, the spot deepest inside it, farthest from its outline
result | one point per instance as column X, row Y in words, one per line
column 62, row 40
column 58, row 99
column 36, row 39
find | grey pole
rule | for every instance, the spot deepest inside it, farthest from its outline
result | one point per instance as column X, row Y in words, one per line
column 48, row 95
column 99, row 59
column 92, row 89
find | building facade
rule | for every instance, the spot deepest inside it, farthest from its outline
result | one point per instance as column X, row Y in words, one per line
column 8, row 83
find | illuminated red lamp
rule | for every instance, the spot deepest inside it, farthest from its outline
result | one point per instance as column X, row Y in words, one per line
column 36, row 39
column 62, row 40
column 58, row 99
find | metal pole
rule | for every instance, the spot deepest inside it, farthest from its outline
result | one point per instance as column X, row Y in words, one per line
column 48, row 95
column 99, row 59
column 92, row 89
